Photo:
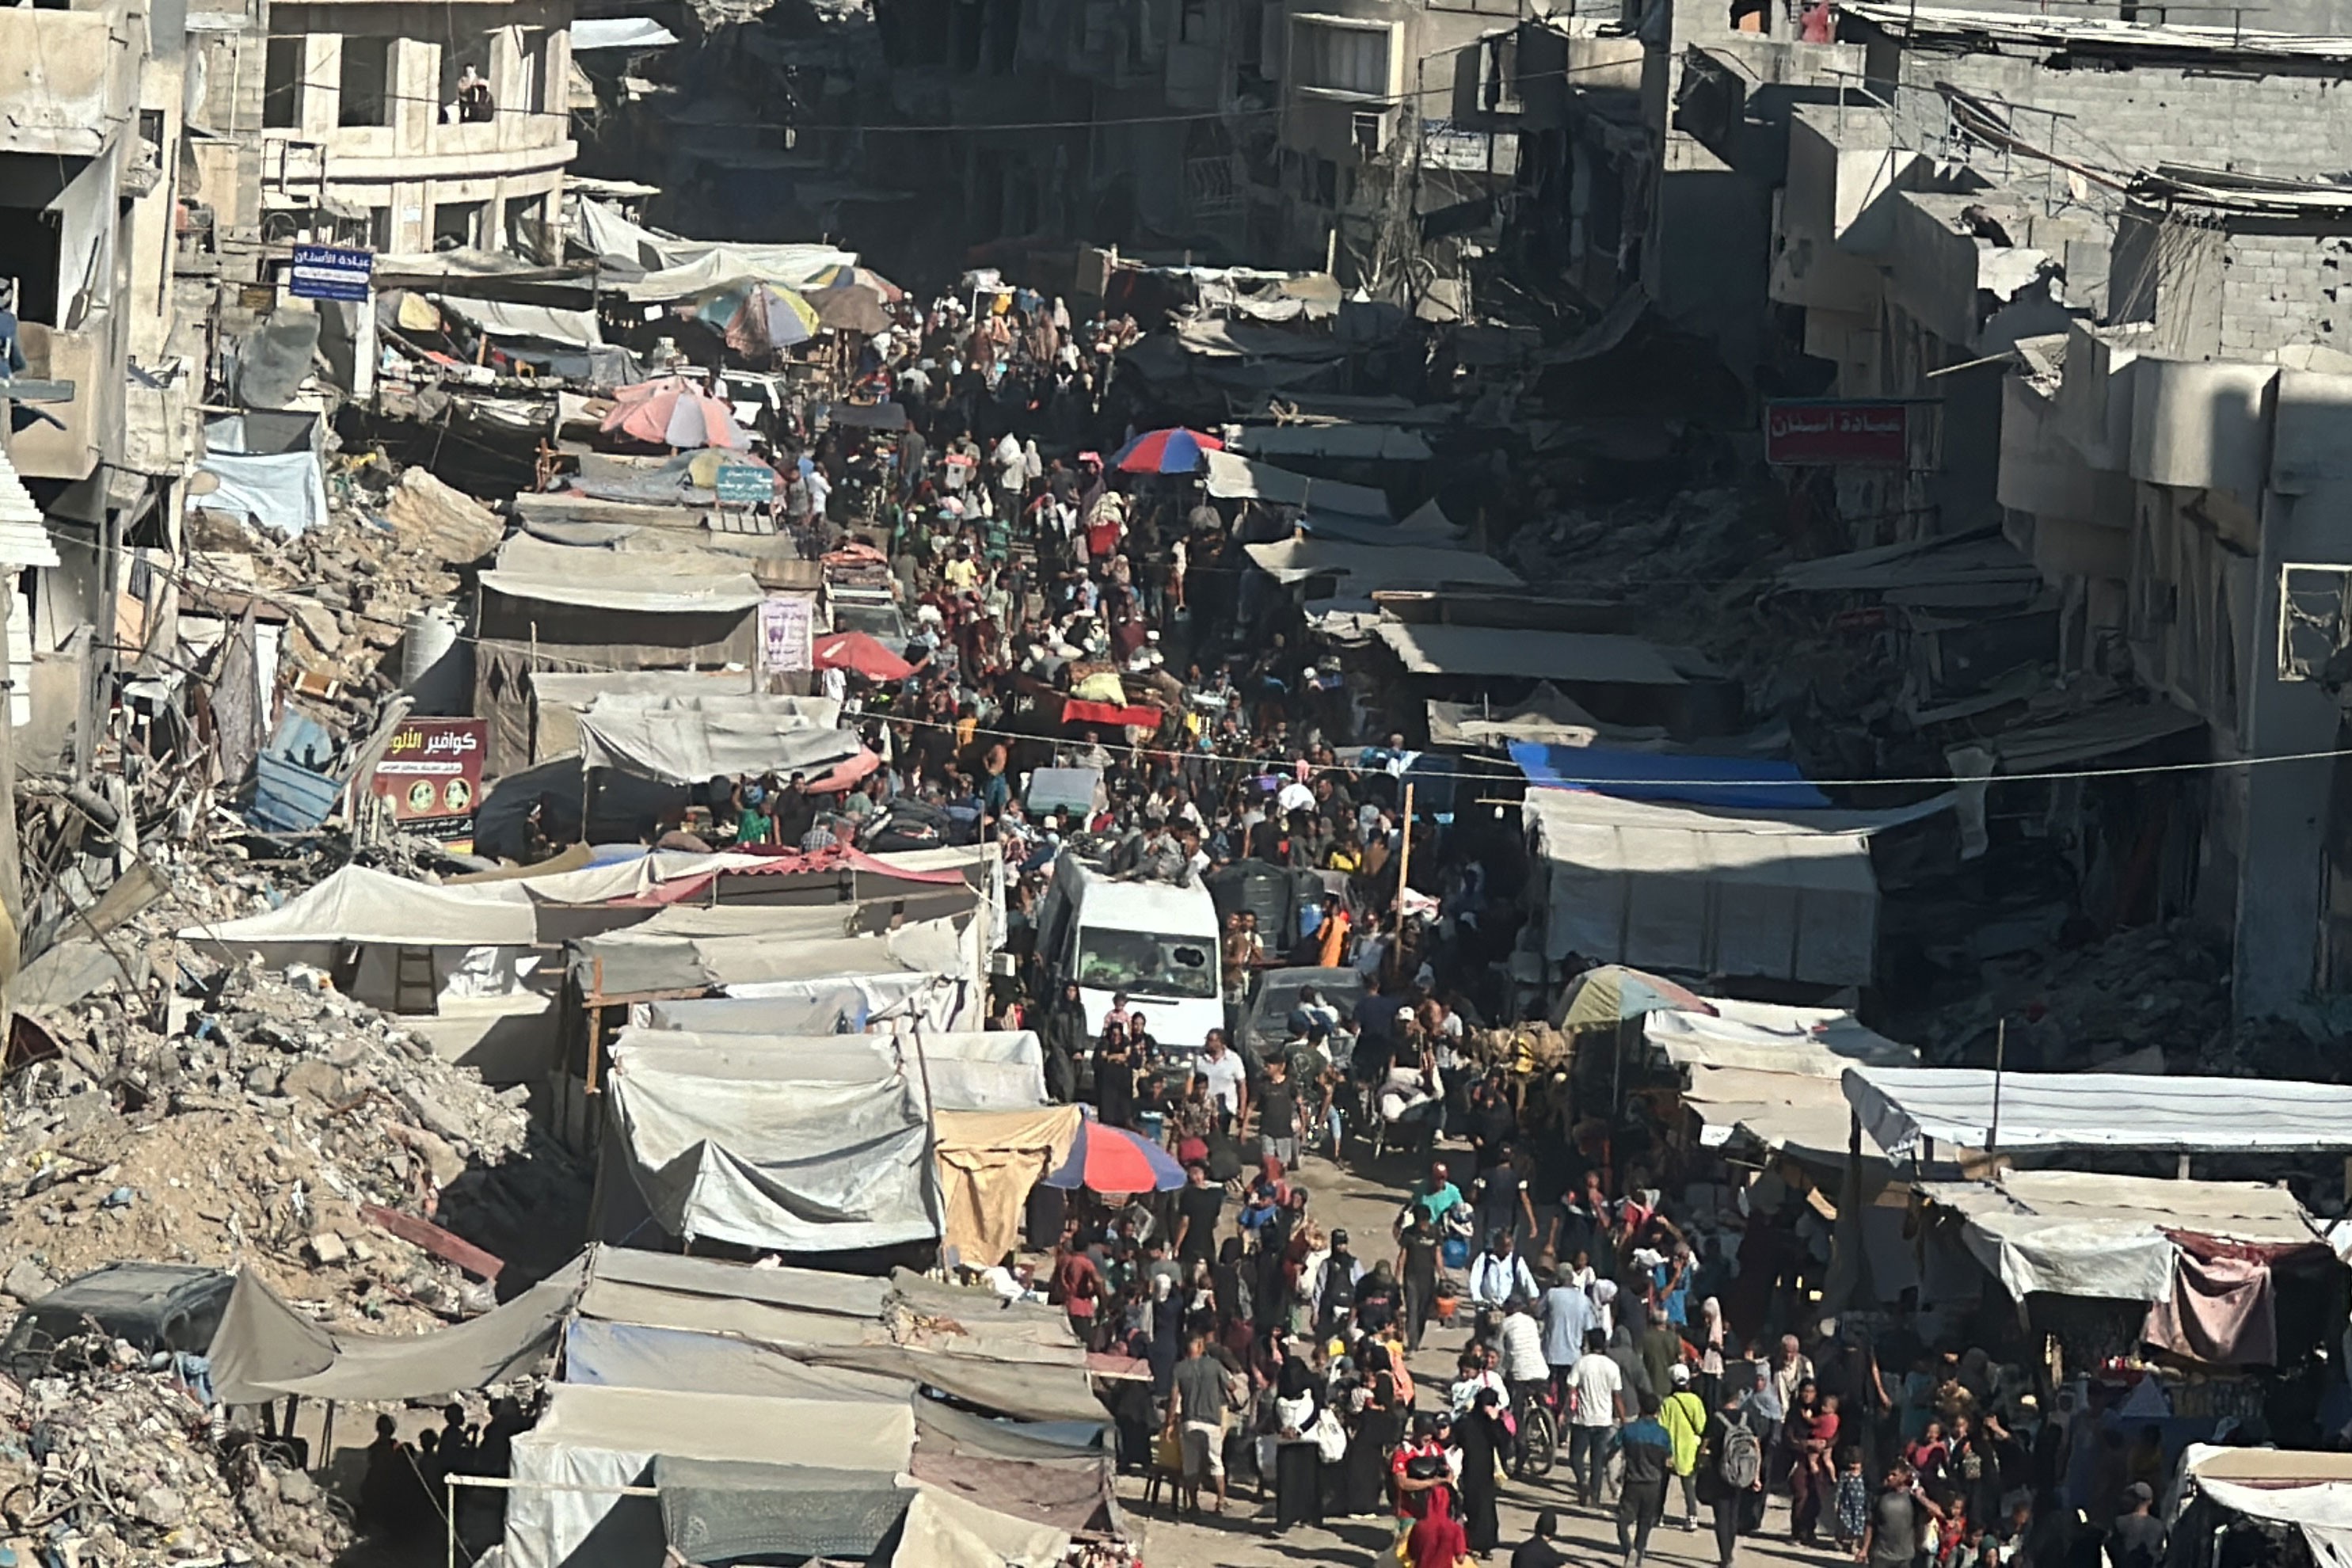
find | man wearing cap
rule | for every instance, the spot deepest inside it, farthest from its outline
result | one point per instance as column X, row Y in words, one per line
column 2138, row 1539
column 1414, row 1493
column 1684, row 1415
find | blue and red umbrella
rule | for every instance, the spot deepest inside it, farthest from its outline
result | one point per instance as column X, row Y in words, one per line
column 1113, row 1160
column 1175, row 451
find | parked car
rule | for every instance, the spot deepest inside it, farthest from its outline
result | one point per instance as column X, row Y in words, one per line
column 153, row 1306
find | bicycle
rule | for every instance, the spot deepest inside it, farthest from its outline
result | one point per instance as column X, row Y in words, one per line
column 1538, row 1448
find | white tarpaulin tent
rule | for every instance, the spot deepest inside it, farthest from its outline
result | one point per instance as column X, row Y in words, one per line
column 358, row 904
column 1676, row 888
column 740, row 1147
column 1821, row 1042
column 686, row 740
column 1956, row 1107
column 2311, row 1490
column 592, row 33
column 593, row 1438
column 596, row 579
column 2073, row 1232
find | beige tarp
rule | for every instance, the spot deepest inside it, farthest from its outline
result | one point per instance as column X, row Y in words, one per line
column 944, row 1531
column 988, row 1162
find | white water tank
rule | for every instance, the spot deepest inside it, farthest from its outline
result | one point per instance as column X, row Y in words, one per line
column 433, row 663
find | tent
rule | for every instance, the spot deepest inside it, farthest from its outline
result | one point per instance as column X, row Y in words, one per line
column 264, row 1349
column 1786, row 895
column 593, row 1442
column 827, row 1154
column 1821, row 1042
column 684, row 740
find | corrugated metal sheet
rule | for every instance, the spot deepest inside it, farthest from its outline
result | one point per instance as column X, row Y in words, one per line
column 1956, row 1107
column 287, row 798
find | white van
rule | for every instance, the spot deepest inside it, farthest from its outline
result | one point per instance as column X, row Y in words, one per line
column 1154, row 940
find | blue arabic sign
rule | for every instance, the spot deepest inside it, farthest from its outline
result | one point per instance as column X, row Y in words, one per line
column 745, row 482
column 330, row 272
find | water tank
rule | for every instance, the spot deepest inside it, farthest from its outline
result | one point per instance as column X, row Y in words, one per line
column 434, row 663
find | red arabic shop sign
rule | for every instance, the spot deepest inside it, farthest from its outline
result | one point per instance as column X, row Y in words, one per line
column 1821, row 432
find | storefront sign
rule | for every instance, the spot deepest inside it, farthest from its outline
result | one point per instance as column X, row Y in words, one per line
column 432, row 775
column 330, row 272
column 1848, row 432
column 787, row 632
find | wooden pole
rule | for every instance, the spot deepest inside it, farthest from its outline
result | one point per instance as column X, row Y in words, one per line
column 1404, row 860
column 1999, row 1062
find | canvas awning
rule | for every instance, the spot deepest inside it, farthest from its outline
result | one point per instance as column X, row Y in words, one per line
column 1903, row 1108
column 592, row 33
column 511, row 319
column 264, row 1349
column 2309, row 1489
column 1547, row 717
column 1233, row 477
column 1788, row 1112
column 2073, row 1232
column 1763, row 783
column 634, row 1356
column 1366, row 569
column 1821, row 1042
column 912, row 958
column 359, row 904
column 659, row 583
column 1675, row 888
column 1590, row 658
column 686, row 740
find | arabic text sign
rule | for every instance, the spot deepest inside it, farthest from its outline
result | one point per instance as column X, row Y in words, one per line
column 787, row 633
column 432, row 774
column 1856, row 432
column 330, row 272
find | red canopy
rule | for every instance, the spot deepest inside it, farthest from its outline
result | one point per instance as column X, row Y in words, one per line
column 858, row 653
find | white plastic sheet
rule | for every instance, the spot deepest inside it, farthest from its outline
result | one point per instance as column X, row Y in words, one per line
column 284, row 490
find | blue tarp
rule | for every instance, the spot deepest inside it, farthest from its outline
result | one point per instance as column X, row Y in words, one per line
column 1747, row 783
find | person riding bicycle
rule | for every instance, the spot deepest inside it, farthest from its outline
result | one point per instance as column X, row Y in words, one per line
column 1519, row 1346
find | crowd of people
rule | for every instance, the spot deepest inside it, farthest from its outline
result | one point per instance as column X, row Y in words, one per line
column 1667, row 1357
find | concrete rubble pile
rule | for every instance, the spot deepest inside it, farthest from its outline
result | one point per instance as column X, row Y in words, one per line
column 252, row 1134
column 2150, row 998
column 349, row 588
column 109, row 1462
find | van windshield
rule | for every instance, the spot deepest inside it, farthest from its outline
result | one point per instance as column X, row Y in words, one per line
column 1146, row 964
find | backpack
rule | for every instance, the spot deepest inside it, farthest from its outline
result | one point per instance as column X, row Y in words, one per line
column 1741, row 1459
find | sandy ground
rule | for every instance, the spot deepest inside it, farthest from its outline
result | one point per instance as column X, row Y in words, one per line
column 1363, row 1203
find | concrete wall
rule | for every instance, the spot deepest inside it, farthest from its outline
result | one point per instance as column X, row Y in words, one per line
column 413, row 165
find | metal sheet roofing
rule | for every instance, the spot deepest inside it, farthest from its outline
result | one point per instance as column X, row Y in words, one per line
column 1904, row 1107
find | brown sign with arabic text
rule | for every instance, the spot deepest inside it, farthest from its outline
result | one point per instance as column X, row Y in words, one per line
column 432, row 774
column 1826, row 432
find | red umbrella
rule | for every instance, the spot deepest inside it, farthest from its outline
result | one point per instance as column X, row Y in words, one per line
column 859, row 654
column 671, row 411
column 1113, row 1160
column 1172, row 451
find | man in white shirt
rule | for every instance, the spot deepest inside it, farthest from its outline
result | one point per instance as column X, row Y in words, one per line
column 1498, row 1274
column 1226, row 1077
column 1525, row 1370
column 1596, row 1402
